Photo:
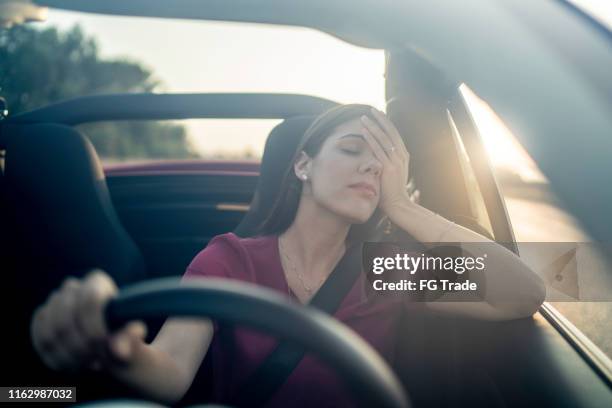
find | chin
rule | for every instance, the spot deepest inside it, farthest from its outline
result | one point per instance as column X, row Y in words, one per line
column 354, row 211
column 357, row 215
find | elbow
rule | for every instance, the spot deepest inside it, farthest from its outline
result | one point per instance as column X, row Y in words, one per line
column 536, row 297
column 178, row 392
column 169, row 398
column 171, row 392
column 528, row 304
column 530, row 296
column 540, row 291
column 524, row 301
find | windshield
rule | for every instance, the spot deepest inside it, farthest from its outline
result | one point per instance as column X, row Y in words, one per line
column 75, row 54
column 109, row 54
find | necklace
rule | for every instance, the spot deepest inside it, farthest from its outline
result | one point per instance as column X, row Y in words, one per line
column 308, row 288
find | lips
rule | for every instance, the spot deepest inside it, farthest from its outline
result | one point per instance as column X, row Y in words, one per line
column 365, row 188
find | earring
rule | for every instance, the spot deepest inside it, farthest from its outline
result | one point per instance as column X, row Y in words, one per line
column 304, row 177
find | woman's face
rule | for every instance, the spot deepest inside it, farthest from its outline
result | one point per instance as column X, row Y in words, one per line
column 344, row 177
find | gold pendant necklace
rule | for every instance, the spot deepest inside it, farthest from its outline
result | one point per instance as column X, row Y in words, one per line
column 308, row 288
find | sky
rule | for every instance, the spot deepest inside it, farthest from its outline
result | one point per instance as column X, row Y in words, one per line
column 196, row 56
column 600, row 9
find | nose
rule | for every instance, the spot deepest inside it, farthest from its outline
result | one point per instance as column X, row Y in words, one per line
column 373, row 166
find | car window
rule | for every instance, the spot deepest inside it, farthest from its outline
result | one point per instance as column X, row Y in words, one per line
column 96, row 54
column 478, row 210
column 541, row 221
column 216, row 139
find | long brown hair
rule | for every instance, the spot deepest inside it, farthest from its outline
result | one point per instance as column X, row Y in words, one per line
column 285, row 207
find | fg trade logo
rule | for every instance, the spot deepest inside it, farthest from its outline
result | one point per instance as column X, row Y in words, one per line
column 424, row 273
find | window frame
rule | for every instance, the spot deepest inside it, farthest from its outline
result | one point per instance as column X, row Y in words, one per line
column 504, row 233
column 483, row 171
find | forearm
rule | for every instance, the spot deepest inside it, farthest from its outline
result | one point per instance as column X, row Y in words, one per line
column 152, row 373
column 510, row 288
column 423, row 224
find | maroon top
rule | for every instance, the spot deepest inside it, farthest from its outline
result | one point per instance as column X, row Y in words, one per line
column 312, row 383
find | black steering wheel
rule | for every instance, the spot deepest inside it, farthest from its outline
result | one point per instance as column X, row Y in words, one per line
column 365, row 373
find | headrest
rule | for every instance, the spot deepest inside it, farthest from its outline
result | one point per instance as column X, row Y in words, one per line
column 279, row 150
column 59, row 192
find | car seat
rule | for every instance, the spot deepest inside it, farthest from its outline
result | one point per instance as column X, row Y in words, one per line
column 280, row 147
column 58, row 221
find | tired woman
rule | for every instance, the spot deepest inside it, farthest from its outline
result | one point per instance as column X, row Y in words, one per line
column 350, row 166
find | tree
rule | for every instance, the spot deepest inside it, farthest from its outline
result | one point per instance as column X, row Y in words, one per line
column 38, row 67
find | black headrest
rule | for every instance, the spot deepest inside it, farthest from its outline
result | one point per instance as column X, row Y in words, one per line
column 278, row 152
column 59, row 194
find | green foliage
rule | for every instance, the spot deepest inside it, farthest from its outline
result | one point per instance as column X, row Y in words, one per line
column 138, row 140
column 39, row 67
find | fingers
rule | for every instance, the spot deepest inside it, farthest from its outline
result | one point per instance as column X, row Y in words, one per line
column 122, row 344
column 54, row 334
column 71, row 345
column 380, row 136
column 68, row 329
column 42, row 339
column 389, row 128
column 375, row 146
column 385, row 123
column 97, row 289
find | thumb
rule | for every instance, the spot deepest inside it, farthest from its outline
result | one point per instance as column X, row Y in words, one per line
column 123, row 344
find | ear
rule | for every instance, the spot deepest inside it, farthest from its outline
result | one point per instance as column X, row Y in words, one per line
column 302, row 166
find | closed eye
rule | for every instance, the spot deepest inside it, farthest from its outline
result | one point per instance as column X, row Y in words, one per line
column 352, row 144
column 352, row 152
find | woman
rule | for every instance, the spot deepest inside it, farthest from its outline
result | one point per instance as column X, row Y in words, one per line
column 351, row 166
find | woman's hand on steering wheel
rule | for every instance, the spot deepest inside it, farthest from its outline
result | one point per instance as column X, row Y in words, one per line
column 68, row 330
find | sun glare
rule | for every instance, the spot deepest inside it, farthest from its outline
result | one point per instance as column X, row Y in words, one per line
column 505, row 152
column 205, row 56
column 191, row 56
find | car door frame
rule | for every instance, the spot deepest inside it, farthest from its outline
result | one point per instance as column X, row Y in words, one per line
column 504, row 234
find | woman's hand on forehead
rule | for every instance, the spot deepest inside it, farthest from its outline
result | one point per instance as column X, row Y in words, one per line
column 387, row 145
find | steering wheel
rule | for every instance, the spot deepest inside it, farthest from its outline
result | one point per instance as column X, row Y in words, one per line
column 365, row 373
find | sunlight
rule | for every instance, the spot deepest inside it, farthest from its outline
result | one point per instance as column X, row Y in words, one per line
column 599, row 9
column 505, row 152
column 205, row 56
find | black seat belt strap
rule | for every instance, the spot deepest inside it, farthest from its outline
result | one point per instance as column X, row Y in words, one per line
column 277, row 367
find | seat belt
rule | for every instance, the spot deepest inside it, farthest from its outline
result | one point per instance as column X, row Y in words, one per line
column 276, row 368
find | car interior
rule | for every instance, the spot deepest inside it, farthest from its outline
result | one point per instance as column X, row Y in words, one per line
column 64, row 214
